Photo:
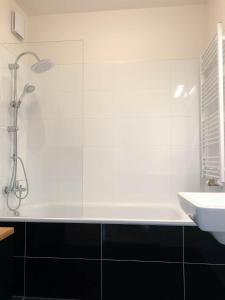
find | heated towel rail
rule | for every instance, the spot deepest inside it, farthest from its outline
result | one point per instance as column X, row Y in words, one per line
column 212, row 109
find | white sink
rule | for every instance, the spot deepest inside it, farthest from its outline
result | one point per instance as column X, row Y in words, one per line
column 207, row 210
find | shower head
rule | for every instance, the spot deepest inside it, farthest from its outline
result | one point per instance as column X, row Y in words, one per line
column 42, row 66
column 28, row 89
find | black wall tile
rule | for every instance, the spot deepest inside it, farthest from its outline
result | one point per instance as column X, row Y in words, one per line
column 38, row 299
column 81, row 279
column 205, row 282
column 18, row 237
column 141, row 280
column 151, row 243
column 18, row 276
column 64, row 240
column 6, row 275
column 201, row 247
column 63, row 278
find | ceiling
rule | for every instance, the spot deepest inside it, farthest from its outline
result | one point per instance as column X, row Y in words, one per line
column 44, row 7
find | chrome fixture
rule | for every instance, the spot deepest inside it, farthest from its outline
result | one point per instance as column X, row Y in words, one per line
column 28, row 89
column 15, row 187
column 42, row 66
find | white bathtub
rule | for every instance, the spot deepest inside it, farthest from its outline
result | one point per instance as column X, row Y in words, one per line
column 126, row 214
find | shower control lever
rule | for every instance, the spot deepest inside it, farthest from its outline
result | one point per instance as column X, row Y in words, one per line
column 6, row 190
column 19, row 188
column 16, row 189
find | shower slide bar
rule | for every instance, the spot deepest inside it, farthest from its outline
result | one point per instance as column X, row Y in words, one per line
column 212, row 109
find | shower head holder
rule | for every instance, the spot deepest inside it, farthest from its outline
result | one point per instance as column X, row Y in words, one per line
column 13, row 66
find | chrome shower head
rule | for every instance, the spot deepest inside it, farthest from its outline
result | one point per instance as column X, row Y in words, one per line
column 42, row 66
column 28, row 89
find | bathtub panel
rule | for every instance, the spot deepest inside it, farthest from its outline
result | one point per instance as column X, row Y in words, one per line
column 64, row 240
column 18, row 276
column 138, row 280
column 148, row 243
column 130, row 266
column 64, row 279
column 201, row 247
column 19, row 237
column 6, row 267
column 205, row 282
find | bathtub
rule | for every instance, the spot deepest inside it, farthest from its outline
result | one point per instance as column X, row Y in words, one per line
column 99, row 213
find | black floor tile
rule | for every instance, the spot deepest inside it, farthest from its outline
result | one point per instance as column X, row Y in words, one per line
column 205, row 282
column 149, row 243
column 64, row 240
column 201, row 247
column 141, row 280
column 59, row 278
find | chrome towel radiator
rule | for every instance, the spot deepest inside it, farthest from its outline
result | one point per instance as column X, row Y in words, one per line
column 212, row 110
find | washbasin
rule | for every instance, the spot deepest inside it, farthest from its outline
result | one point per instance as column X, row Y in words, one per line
column 207, row 210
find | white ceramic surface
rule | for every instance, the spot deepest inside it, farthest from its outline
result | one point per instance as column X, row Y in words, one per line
column 96, row 213
column 207, row 210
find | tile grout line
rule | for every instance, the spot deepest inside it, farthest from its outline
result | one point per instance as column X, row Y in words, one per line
column 122, row 260
column 101, row 267
column 41, row 298
column 184, row 281
column 204, row 264
column 105, row 259
column 61, row 258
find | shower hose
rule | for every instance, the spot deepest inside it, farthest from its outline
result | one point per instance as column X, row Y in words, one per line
column 12, row 185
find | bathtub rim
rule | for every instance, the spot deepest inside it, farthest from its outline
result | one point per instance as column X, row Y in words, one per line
column 184, row 220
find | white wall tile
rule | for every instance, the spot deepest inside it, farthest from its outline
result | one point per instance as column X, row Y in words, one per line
column 141, row 121
column 185, row 169
column 186, row 105
column 132, row 178
column 161, row 131
column 98, row 132
column 99, row 103
column 98, row 183
column 143, row 103
column 99, row 76
column 143, row 75
column 133, row 142
column 185, row 131
column 185, row 72
column 161, row 160
column 132, row 132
